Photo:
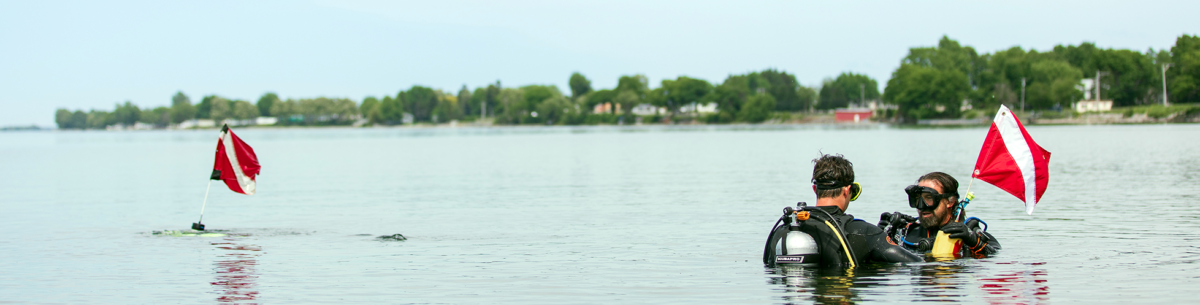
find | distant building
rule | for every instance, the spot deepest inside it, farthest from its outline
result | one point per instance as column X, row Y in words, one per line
column 1085, row 106
column 605, row 108
column 1090, row 101
column 852, row 114
column 698, row 108
column 647, row 109
column 266, row 120
column 1086, row 85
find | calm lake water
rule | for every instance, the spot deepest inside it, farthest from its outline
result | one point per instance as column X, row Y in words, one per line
column 586, row 215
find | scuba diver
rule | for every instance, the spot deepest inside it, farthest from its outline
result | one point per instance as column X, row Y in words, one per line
column 825, row 235
column 937, row 202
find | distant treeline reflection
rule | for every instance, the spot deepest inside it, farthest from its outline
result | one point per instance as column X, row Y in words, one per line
column 945, row 81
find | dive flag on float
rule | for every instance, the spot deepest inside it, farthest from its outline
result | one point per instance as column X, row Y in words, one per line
column 236, row 163
column 1011, row 160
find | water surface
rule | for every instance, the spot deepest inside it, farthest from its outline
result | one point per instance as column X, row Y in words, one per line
column 573, row 215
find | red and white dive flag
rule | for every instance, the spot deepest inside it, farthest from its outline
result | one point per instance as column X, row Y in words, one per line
column 1011, row 160
column 236, row 163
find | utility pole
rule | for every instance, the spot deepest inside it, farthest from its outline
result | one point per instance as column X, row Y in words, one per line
column 1022, row 94
column 1164, row 76
column 862, row 95
column 1098, row 73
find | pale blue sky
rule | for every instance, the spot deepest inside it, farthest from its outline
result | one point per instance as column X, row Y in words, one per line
column 94, row 54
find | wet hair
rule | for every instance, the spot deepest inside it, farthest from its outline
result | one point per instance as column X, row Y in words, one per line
column 832, row 168
column 949, row 184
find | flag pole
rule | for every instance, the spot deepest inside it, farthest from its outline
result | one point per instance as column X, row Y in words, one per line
column 963, row 208
column 199, row 225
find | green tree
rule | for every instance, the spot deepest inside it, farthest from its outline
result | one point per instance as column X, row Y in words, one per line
column 807, row 96
column 392, row 110
column 599, row 97
column 580, row 85
column 181, row 108
column 447, row 108
column 126, row 114
column 244, row 110
column 1183, row 78
column 511, row 108
column 219, row 108
column 626, row 99
column 370, row 110
column 204, row 108
column 638, row 84
column 785, row 89
column 554, row 110
column 846, row 89
column 925, row 92
column 62, row 117
column 79, row 120
column 1129, row 77
column 948, row 55
column 420, row 101
column 1053, row 84
column 265, row 102
column 464, row 101
column 680, row 91
column 99, row 119
column 758, row 107
column 731, row 95
column 158, row 117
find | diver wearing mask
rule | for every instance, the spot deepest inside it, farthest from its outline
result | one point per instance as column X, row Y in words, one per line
column 937, row 202
column 842, row 240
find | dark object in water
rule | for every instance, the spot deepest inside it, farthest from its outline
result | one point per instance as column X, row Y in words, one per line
column 197, row 226
column 396, row 237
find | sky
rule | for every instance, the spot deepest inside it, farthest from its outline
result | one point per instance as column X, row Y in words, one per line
column 92, row 55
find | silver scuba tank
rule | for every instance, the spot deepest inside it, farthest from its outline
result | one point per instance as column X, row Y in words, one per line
column 796, row 248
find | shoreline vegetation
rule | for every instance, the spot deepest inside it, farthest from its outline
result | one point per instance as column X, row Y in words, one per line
column 947, row 84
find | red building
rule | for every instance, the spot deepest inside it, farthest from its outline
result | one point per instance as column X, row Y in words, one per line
column 852, row 114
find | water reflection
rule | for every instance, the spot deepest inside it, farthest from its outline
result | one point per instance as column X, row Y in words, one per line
column 943, row 281
column 964, row 280
column 823, row 286
column 236, row 271
column 1017, row 287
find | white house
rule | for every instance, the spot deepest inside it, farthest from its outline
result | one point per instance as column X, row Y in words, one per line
column 647, row 109
column 1085, row 106
column 697, row 108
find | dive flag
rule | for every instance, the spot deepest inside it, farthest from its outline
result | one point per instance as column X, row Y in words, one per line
column 236, row 163
column 1011, row 160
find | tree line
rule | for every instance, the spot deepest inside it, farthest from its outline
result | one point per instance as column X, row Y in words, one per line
column 934, row 82
column 931, row 82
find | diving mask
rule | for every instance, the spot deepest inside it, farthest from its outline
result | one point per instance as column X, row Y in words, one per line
column 924, row 198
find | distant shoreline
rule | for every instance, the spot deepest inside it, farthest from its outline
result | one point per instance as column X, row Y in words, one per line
column 1090, row 119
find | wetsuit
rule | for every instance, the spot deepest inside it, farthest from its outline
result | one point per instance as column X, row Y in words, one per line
column 867, row 242
column 920, row 239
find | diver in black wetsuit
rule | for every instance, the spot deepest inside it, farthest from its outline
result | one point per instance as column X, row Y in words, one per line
column 833, row 183
column 936, row 197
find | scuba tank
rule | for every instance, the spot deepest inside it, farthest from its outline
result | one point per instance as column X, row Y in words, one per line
column 792, row 239
column 787, row 244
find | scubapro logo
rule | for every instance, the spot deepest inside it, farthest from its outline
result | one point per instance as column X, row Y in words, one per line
column 791, row 259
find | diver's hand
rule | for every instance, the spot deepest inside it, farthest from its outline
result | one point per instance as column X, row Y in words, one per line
column 968, row 232
column 895, row 219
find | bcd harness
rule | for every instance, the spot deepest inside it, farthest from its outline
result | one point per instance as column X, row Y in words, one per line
column 836, row 247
